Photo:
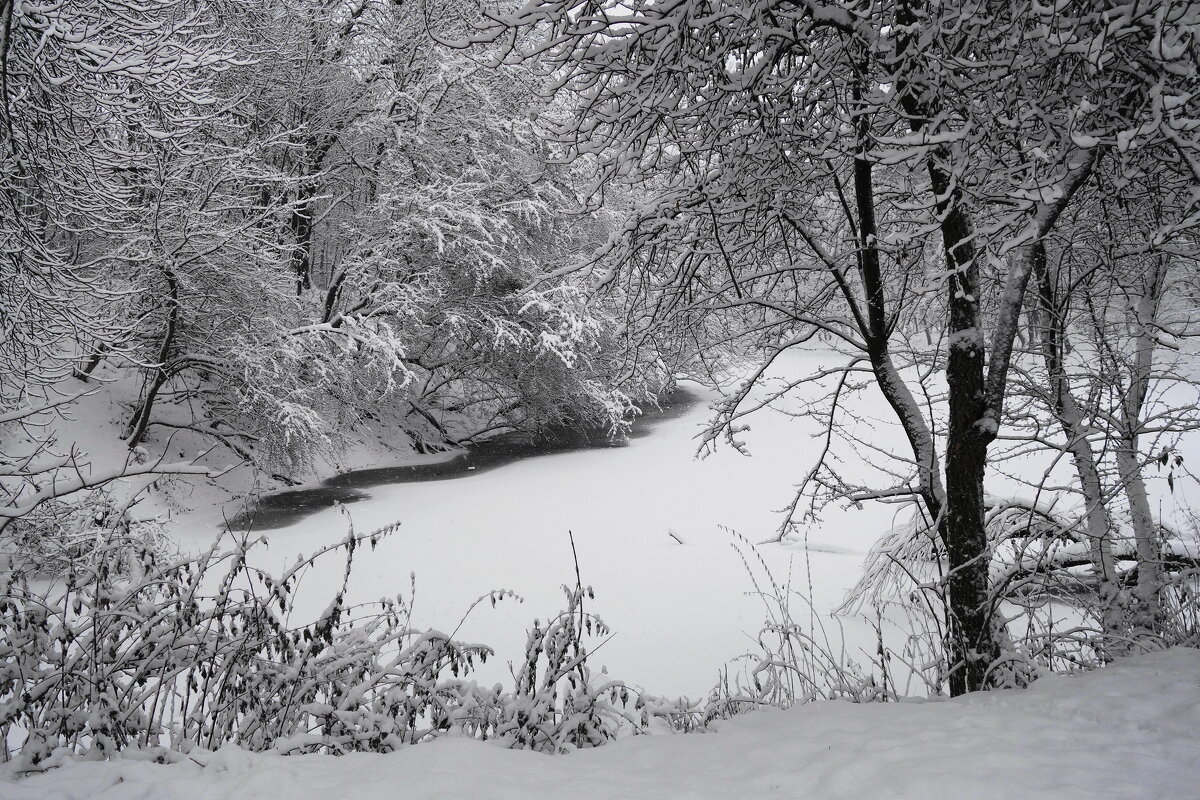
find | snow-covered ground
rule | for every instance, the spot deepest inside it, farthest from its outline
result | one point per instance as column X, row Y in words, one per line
column 1128, row 731
column 652, row 528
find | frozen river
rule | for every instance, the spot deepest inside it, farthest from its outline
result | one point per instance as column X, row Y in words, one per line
column 652, row 525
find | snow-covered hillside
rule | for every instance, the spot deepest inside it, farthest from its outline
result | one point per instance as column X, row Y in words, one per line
column 1129, row 731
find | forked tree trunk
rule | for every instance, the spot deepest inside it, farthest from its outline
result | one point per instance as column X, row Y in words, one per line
column 972, row 642
column 875, row 328
column 135, row 432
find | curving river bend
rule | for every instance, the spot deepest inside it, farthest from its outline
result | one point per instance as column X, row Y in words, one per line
column 285, row 508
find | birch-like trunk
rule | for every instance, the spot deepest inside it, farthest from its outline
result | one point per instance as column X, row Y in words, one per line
column 1147, row 611
column 1049, row 327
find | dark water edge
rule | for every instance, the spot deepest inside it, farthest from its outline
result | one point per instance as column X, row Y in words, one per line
column 281, row 509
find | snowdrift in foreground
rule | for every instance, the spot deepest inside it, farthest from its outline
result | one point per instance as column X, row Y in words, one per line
column 1129, row 731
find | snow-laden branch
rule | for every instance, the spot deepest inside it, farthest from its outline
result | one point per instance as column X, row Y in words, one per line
column 61, row 486
column 1012, row 299
column 29, row 411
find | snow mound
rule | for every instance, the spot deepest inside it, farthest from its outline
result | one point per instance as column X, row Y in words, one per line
column 1128, row 731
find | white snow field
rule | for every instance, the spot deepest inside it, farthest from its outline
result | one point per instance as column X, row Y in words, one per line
column 1128, row 731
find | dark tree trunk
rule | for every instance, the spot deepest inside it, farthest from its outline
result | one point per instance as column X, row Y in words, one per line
column 140, row 423
column 84, row 373
column 136, row 430
column 971, row 641
column 301, row 225
column 315, row 149
column 973, row 644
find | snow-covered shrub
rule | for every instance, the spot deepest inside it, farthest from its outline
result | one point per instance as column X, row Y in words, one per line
column 1045, row 578
column 795, row 661
column 198, row 651
column 174, row 653
column 556, row 704
column 1180, row 594
column 56, row 535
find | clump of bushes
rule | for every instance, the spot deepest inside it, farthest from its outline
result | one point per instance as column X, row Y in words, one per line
column 169, row 653
column 58, row 536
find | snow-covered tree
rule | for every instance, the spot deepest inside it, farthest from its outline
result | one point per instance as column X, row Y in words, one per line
column 835, row 166
column 89, row 88
column 286, row 218
column 91, row 91
column 1111, row 321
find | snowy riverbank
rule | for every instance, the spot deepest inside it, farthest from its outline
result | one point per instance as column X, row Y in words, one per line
column 1128, row 731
